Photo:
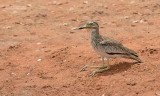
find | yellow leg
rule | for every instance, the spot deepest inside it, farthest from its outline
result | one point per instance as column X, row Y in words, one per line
column 101, row 70
column 94, row 66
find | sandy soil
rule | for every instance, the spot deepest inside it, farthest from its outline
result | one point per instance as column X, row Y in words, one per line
column 40, row 54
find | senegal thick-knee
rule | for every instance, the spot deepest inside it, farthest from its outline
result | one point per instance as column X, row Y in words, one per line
column 106, row 47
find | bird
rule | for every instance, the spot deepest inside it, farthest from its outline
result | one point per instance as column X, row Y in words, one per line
column 106, row 47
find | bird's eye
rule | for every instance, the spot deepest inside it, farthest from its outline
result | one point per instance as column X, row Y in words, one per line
column 91, row 24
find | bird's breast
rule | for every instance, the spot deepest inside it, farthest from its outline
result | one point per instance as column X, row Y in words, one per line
column 98, row 48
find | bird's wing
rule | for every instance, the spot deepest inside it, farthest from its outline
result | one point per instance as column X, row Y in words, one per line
column 113, row 46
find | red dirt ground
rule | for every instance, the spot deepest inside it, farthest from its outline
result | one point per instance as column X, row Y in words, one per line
column 41, row 54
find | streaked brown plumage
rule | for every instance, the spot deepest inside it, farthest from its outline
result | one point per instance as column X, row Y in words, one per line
column 107, row 47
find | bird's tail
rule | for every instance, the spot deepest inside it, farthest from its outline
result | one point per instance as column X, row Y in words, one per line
column 135, row 57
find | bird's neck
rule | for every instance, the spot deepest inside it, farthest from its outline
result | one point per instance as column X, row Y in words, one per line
column 95, row 33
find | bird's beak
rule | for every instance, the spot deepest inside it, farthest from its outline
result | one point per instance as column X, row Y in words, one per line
column 83, row 27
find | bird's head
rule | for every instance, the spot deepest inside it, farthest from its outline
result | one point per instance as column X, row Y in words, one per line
column 90, row 25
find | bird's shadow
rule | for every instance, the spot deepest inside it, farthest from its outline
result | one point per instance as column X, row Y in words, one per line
column 117, row 68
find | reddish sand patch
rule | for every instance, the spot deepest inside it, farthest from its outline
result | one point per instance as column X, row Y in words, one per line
column 41, row 55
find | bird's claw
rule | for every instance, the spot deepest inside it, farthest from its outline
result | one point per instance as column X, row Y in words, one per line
column 85, row 66
column 92, row 74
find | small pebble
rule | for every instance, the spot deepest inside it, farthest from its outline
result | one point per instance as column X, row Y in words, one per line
column 18, row 23
column 126, row 17
column 28, row 73
column 38, row 43
column 133, row 25
column 59, row 3
column 103, row 94
column 29, row 5
column 135, row 12
column 73, row 46
column 65, row 24
column 131, row 83
column 72, row 32
column 106, row 7
column 94, row 61
column 85, row 2
column 136, row 21
column 64, row 60
column 52, row 11
column 70, row 9
column 13, row 73
column 8, row 27
column 141, row 21
column 157, row 94
column 2, row 6
column 39, row 60
column 55, row 2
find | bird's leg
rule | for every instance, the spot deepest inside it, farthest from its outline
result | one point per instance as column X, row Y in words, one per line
column 101, row 70
column 102, row 62
column 94, row 66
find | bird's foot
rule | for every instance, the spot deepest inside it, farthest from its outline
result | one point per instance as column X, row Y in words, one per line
column 92, row 74
column 91, row 66
column 101, row 70
column 85, row 66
